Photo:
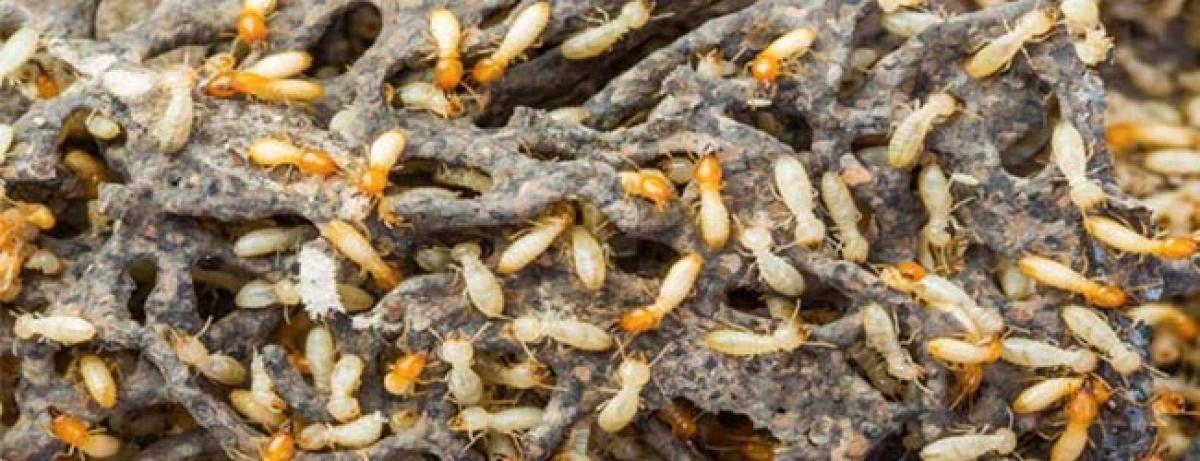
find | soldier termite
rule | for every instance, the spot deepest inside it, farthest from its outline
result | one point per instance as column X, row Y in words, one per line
column 426, row 96
column 632, row 374
column 528, row 374
column 403, row 375
column 589, row 258
column 775, row 270
column 714, row 216
column 74, row 432
column 1160, row 315
column 359, row 433
column 796, row 190
column 787, row 337
column 766, row 66
column 344, row 381
column 1092, row 328
column 280, row 447
column 1054, row 274
column 446, row 32
column 67, row 330
column 526, row 248
column 944, row 295
column 174, row 126
column 279, row 90
column 252, row 21
column 881, row 336
column 997, row 53
column 382, row 156
column 648, row 183
column 909, row 23
column 1081, row 412
column 1036, row 354
column 1116, row 235
column 844, row 213
column 971, row 446
column 676, row 286
column 531, row 328
column 483, row 289
column 1125, row 136
column 461, row 381
column 260, row 242
column 522, row 33
column 244, row 402
column 475, row 420
column 98, row 380
column 319, row 354
column 1083, row 19
column 90, row 171
column 596, row 40
column 17, row 50
column 273, row 152
column 215, row 366
column 355, row 246
column 1173, row 162
column 908, row 140
column 1070, row 155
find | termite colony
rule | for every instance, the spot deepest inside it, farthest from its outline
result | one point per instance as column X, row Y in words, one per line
column 584, row 229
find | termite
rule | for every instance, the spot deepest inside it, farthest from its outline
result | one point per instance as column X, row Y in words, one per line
column 217, row 367
column 1166, row 315
column 403, row 375
column 524, row 31
column 67, row 330
column 483, row 289
column 909, row 23
column 281, row 90
column 681, row 416
column 426, row 96
column 787, row 337
column 589, row 258
column 102, row 127
column 244, row 402
column 461, row 381
column 98, row 380
column 714, row 216
column 281, row 65
column 273, row 152
column 74, row 432
column 934, row 190
column 1145, row 76
column 1093, row 329
column 1117, row 236
column 280, row 447
column 1051, row 273
column 262, row 388
column 260, row 242
column 1036, row 354
column 343, row 384
column 1070, row 155
column 676, row 287
column 1081, row 412
column 434, row 259
column 319, row 354
column 1094, row 47
column 474, row 420
column 881, row 336
column 776, row 271
column 972, row 446
column 45, row 84
column 447, row 34
column 596, row 40
column 766, row 66
column 382, row 156
column 354, row 245
column 1125, row 136
column 944, row 295
column 464, row 177
column 845, row 215
column 527, row 374
column 959, row 352
column 996, row 54
column 90, row 171
column 17, row 50
column 796, row 190
column 532, row 328
column 1046, row 393
column 359, row 433
column 260, row 293
column 174, row 126
column 1015, row 285
column 648, row 183
column 573, row 114
column 252, row 21
column 1173, row 162
column 528, row 247
column 632, row 375
column 908, row 140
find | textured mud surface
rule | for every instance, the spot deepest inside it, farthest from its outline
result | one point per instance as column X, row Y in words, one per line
column 646, row 101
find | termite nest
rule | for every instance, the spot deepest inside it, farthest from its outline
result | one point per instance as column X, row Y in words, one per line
column 598, row 229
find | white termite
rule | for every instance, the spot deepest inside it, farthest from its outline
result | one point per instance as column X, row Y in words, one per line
column 796, row 190
column 260, row 242
column 343, row 384
column 67, row 330
column 532, row 328
column 844, row 213
column 1070, row 155
column 1036, row 354
column 174, row 127
column 320, row 353
column 17, row 50
column 510, row 421
column 596, row 40
column 483, row 289
column 589, row 258
column 775, row 270
column 969, row 447
column 632, row 374
column 526, row 248
column 881, row 336
column 360, row 433
column 462, row 382
column 1093, row 329
column 908, row 140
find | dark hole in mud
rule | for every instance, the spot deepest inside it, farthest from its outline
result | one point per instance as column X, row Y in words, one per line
column 10, row 370
column 347, row 38
column 645, row 258
column 788, row 127
column 466, row 182
column 144, row 273
column 728, row 435
column 214, row 296
column 1030, row 154
column 746, row 300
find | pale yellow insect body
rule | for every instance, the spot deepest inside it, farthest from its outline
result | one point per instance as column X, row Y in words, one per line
column 588, row 255
column 223, row 369
column 17, row 50
column 320, row 353
column 524, row 375
column 714, row 215
column 796, row 190
column 262, row 388
column 426, row 96
column 574, row 333
column 934, row 190
column 259, row 293
column 102, row 127
column 1013, row 283
column 791, row 45
column 524, row 31
column 260, row 242
column 174, row 127
column 1116, row 235
column 386, row 150
column 881, row 337
column 1036, row 354
column 446, row 32
column 282, row 65
column 908, row 140
column 244, row 402
column 844, row 212
column 1173, row 162
column 789, row 336
column 595, row 41
column 961, row 352
column 970, row 447
column 463, row 383
column 1166, row 315
column 343, row 384
column 1094, row 47
column 360, row 433
column 1070, row 155
column 678, row 283
column 465, row 177
column 528, row 247
column 632, row 374
column 67, row 330
column 776, row 271
column 355, row 246
column 483, row 289
column 1080, row 15
column 1045, row 393
column 996, row 55
column 938, row 291
column 572, row 114
column 507, row 421
column 1093, row 329
column 1052, row 273
column 98, row 380
column 909, row 23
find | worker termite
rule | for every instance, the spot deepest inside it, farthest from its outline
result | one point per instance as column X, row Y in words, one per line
column 216, row 366
column 174, row 126
column 359, row 433
column 796, row 190
column 98, row 380
column 648, row 183
column 447, row 34
column 1070, row 155
column 355, row 246
column 676, row 287
column 1166, row 315
column 1036, row 354
column 971, row 446
column 260, row 242
column 1125, row 136
column 252, row 21
column 382, row 156
column 262, row 388
column 572, row 114
column 463, row 176
column 996, row 54
column 17, row 50
column 404, row 373
column 501, row 447
column 281, row 65
column 908, row 140
column 1081, row 412
column 527, row 374
column 787, row 337
column 944, row 295
column 244, row 402
column 280, row 447
column 959, row 352
column 319, row 354
column 1054, row 274
column 528, row 247
column 909, row 23
column 74, row 432
column 90, row 171
column 1093, row 48
column 281, row 90
column 1145, row 76
column 1092, row 328
column 483, row 289
column 522, row 33
column 475, row 420
column 426, row 96
column 934, row 190
column 1116, row 235
column 845, row 215
column 1173, row 162
column 1046, row 393
column 532, row 328
column 775, row 270
column 589, row 258
column 461, row 381
column 67, row 330
column 766, row 66
column 881, row 336
column 273, row 152
column 343, row 384
column 596, row 40
column 632, row 374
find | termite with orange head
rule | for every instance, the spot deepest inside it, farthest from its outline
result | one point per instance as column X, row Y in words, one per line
column 98, row 380
column 766, row 66
column 522, row 33
column 1093, row 329
column 446, row 33
column 17, row 50
column 426, row 96
column 1117, row 236
column 67, row 330
column 1125, row 136
column 532, row 328
column 273, row 152
column 1036, row 354
column 1046, row 393
column 881, row 336
column 280, row 90
column 483, row 289
column 280, row 447
column 845, row 215
column 1070, row 155
column 90, row 171
column 252, row 21
column 996, row 54
column 461, row 381
column 594, row 41
column 1081, row 412
column 1166, row 403
column 971, row 446
column 787, row 337
column 676, row 287
column 1167, row 316
column 528, row 374
column 959, row 352
column 354, row 245
column 475, row 420
column 344, row 381
column 319, row 354
column 403, row 375
column 359, row 433
column 528, row 247
column 1149, row 78
column 908, row 140
column 382, row 156
column 1054, row 274
column 174, row 126
column 648, row 183
column 796, row 190
column 74, row 432
column 939, row 293
column 1173, row 162
column 775, row 270
column 632, row 374
column 589, row 258
column 714, row 216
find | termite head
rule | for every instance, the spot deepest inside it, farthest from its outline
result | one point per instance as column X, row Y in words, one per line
column 526, row 329
column 765, row 69
column 373, row 181
column 1176, row 248
column 220, row 86
column 67, row 428
column 1168, row 402
column 1106, row 296
column 487, row 71
column 447, row 73
column 23, row 327
column 942, row 104
column 215, row 64
column 532, row 371
column 755, row 238
column 1085, row 361
column 911, row 271
column 251, row 27
column 633, row 372
column 639, row 320
column 316, row 161
column 1126, row 362
column 708, row 171
column 280, row 447
column 471, row 419
column 457, row 351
